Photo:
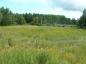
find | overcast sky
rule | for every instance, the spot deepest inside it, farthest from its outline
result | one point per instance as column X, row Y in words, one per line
column 69, row 8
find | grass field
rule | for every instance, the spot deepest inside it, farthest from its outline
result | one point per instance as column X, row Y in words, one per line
column 42, row 45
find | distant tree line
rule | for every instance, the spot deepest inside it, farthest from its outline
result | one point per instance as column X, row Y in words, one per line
column 7, row 17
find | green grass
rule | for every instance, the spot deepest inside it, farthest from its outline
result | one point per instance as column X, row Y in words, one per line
column 42, row 45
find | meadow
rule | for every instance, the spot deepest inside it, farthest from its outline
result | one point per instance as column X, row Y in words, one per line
column 42, row 45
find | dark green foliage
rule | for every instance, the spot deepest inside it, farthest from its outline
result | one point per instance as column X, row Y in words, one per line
column 0, row 17
column 73, row 21
column 20, row 19
column 42, row 58
column 28, row 17
column 9, row 18
column 40, row 19
column 82, row 20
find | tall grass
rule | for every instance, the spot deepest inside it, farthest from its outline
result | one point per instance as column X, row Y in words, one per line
column 42, row 45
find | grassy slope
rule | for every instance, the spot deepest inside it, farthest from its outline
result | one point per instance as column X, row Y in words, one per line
column 42, row 45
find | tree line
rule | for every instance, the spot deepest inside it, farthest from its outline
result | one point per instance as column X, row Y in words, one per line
column 7, row 17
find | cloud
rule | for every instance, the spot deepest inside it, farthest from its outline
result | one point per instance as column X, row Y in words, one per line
column 29, row 1
column 59, row 11
column 65, row 4
column 69, row 8
column 69, row 4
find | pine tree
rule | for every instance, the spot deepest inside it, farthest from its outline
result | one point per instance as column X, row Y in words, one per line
column 82, row 20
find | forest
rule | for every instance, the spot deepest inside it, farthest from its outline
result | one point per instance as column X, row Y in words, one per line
column 7, row 17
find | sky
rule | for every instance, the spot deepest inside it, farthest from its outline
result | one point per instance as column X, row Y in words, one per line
column 69, row 8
